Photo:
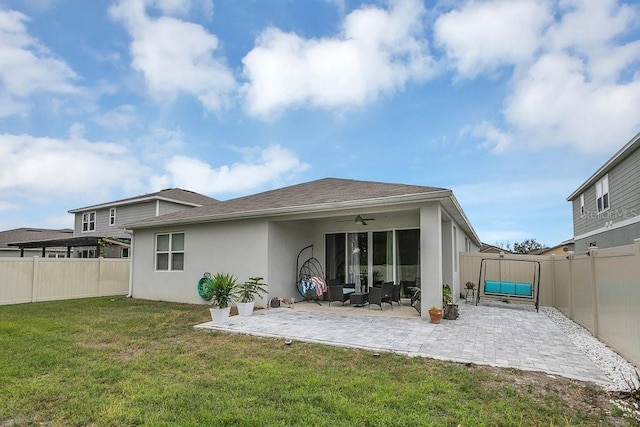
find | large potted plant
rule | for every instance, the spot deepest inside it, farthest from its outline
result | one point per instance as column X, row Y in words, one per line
column 247, row 293
column 450, row 309
column 222, row 287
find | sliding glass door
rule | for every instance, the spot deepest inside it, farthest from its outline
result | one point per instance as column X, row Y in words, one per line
column 374, row 257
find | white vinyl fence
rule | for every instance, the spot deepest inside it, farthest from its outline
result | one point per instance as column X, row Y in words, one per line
column 599, row 290
column 35, row 279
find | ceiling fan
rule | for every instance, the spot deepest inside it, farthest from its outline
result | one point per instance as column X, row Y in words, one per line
column 360, row 220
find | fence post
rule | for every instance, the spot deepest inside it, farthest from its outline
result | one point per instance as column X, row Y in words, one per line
column 593, row 252
column 100, row 259
column 570, row 287
column 34, row 277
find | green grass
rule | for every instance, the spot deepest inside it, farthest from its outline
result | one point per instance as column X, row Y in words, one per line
column 113, row 361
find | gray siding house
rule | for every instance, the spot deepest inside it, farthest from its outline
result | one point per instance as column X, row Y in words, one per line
column 606, row 207
column 359, row 232
column 107, row 220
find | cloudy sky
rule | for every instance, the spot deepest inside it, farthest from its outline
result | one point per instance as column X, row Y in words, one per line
column 511, row 104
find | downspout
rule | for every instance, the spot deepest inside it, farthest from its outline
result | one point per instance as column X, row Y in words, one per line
column 130, row 294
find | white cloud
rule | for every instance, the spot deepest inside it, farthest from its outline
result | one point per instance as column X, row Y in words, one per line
column 480, row 37
column 6, row 206
column 492, row 137
column 27, row 67
column 175, row 57
column 36, row 168
column 377, row 52
column 572, row 81
column 555, row 103
column 121, row 117
column 258, row 168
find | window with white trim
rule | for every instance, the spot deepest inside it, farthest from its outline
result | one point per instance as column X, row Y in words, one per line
column 602, row 194
column 170, row 252
column 582, row 212
column 89, row 221
column 112, row 216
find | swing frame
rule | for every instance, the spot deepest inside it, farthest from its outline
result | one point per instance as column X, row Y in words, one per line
column 509, row 291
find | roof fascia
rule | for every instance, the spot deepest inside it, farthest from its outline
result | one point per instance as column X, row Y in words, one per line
column 133, row 202
column 467, row 223
column 289, row 210
column 613, row 161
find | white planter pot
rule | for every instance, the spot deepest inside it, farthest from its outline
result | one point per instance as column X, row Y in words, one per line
column 220, row 315
column 245, row 308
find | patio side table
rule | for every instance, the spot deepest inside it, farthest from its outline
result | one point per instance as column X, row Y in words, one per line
column 359, row 299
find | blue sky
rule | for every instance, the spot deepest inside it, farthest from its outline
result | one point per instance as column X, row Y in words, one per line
column 511, row 104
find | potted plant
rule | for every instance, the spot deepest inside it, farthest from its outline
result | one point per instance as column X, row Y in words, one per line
column 450, row 309
column 247, row 292
column 222, row 288
column 435, row 314
column 470, row 285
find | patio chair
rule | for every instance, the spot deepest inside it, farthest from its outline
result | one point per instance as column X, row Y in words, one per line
column 341, row 292
column 382, row 294
column 395, row 294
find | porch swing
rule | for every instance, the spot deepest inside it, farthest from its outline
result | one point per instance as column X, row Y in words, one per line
column 310, row 280
column 514, row 289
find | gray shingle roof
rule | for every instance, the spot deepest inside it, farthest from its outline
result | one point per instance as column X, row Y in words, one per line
column 174, row 194
column 315, row 193
column 25, row 234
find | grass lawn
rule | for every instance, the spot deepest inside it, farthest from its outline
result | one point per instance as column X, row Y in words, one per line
column 116, row 361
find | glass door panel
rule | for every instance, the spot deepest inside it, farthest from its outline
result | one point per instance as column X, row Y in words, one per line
column 335, row 256
column 382, row 256
column 408, row 259
column 358, row 272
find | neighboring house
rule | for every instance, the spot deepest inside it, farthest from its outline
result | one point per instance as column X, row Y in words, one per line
column 606, row 207
column 360, row 231
column 560, row 249
column 9, row 237
column 491, row 249
column 99, row 229
column 107, row 220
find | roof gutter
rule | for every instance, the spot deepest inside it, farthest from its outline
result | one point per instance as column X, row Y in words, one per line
column 322, row 207
column 130, row 202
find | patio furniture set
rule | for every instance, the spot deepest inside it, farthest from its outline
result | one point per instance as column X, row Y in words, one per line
column 385, row 292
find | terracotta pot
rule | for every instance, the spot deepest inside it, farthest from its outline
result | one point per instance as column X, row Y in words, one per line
column 435, row 316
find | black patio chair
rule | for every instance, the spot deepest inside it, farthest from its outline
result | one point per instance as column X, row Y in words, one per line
column 341, row 293
column 383, row 294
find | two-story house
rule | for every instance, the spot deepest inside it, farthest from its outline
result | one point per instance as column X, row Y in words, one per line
column 606, row 207
column 106, row 220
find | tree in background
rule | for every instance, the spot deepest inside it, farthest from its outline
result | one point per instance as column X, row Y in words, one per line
column 527, row 246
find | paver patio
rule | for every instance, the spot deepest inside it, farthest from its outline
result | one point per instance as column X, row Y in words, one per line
column 487, row 334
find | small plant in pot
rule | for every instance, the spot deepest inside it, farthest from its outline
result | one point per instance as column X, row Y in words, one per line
column 435, row 314
column 247, row 293
column 222, row 288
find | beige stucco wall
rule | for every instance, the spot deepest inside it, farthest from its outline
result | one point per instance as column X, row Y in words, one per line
column 238, row 248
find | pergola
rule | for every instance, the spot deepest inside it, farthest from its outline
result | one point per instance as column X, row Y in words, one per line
column 68, row 243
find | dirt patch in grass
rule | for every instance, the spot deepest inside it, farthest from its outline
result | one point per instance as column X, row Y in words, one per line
column 580, row 396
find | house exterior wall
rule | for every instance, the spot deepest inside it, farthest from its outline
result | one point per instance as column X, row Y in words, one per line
column 619, row 224
column 238, row 248
column 286, row 240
